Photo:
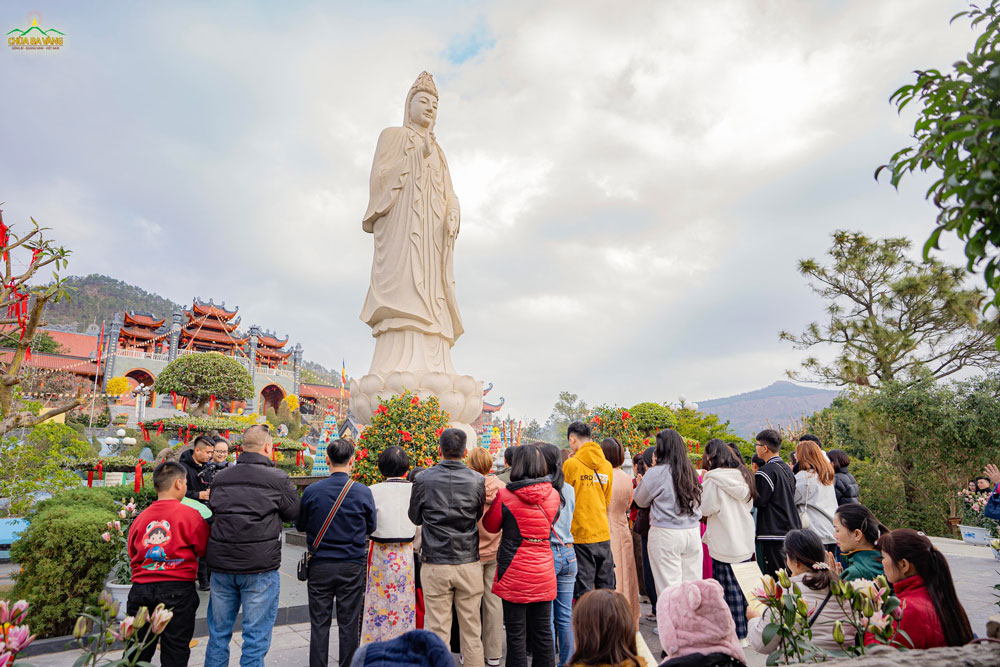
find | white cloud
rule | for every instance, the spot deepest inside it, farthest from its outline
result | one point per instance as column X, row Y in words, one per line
column 626, row 172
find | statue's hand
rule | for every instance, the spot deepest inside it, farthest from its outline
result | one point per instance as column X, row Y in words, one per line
column 451, row 223
column 427, row 145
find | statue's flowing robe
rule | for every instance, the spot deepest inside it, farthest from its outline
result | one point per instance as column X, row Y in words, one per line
column 412, row 280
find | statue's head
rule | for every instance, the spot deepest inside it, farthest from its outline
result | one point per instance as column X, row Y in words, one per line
column 421, row 102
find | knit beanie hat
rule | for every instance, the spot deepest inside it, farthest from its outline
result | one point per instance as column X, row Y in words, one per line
column 693, row 618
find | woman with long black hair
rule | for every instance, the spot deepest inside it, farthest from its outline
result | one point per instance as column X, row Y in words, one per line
column 857, row 530
column 921, row 579
column 672, row 492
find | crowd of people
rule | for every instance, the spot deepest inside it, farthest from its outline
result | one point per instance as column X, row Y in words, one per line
column 539, row 560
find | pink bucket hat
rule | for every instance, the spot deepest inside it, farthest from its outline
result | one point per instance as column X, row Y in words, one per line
column 693, row 618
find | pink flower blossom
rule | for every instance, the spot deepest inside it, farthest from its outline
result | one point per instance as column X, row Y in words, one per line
column 6, row 658
column 126, row 629
column 18, row 638
column 118, row 526
column 106, row 537
column 18, row 612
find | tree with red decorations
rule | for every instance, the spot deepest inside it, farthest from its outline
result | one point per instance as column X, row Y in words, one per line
column 21, row 307
column 405, row 420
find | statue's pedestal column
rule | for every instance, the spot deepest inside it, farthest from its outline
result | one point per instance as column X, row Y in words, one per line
column 420, row 363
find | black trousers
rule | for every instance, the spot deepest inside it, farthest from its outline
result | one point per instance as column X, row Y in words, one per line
column 204, row 574
column 180, row 597
column 529, row 629
column 343, row 583
column 595, row 567
column 647, row 574
column 772, row 556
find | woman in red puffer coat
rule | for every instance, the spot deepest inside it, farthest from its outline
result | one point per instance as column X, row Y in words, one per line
column 526, row 576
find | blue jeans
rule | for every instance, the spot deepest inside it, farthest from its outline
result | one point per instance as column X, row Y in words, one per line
column 258, row 594
column 562, row 606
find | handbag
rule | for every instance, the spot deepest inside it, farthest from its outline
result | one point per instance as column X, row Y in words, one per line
column 804, row 510
column 992, row 509
column 302, row 572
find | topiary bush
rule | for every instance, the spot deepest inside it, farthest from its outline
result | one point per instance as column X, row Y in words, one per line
column 406, row 421
column 64, row 564
column 652, row 417
column 201, row 376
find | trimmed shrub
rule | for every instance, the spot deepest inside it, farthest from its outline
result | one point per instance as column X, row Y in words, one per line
column 64, row 564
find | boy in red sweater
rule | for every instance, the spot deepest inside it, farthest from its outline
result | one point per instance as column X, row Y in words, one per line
column 164, row 544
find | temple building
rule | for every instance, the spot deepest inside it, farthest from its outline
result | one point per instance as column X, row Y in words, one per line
column 140, row 345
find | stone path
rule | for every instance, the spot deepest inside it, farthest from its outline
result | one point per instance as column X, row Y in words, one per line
column 973, row 569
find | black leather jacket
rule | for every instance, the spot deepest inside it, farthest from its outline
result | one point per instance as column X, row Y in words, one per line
column 846, row 487
column 447, row 500
column 249, row 502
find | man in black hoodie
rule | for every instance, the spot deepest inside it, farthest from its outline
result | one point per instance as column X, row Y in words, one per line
column 775, row 502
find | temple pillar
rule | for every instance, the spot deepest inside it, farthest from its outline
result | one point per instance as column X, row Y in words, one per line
column 111, row 345
column 296, row 368
column 254, row 336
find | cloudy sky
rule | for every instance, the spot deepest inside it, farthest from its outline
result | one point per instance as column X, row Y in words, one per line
column 637, row 179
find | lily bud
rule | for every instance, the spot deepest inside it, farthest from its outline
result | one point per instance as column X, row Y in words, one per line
column 105, row 600
column 4, row 612
column 803, row 608
column 882, row 582
column 122, row 514
column 161, row 616
column 838, row 632
column 82, row 627
column 868, row 609
column 106, row 537
column 118, row 525
column 783, row 579
column 141, row 617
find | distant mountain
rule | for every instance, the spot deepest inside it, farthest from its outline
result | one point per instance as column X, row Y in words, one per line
column 778, row 403
column 96, row 298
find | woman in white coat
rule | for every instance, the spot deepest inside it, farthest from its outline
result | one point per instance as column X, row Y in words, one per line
column 727, row 495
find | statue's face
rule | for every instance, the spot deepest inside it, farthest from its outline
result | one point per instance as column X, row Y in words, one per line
column 423, row 109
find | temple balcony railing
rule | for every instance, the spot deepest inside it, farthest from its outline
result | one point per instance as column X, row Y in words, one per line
column 140, row 354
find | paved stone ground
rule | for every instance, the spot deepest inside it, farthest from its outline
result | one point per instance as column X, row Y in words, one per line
column 973, row 569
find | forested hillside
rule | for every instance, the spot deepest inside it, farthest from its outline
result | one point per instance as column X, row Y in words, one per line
column 96, row 298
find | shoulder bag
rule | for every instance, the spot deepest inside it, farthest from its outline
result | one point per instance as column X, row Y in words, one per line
column 303, row 569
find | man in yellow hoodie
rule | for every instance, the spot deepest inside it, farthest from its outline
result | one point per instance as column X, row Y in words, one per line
column 589, row 473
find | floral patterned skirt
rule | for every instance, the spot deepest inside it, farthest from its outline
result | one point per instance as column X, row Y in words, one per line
column 390, row 603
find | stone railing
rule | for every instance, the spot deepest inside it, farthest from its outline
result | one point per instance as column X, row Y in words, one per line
column 275, row 372
column 139, row 354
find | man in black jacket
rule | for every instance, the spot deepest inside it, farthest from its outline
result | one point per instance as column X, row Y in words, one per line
column 197, row 461
column 447, row 500
column 249, row 501
column 775, row 502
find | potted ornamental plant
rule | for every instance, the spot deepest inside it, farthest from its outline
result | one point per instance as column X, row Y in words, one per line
column 120, row 577
column 975, row 527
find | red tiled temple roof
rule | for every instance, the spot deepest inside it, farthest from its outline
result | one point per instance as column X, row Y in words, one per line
column 210, row 322
column 272, row 354
column 73, row 344
column 321, row 391
column 144, row 334
column 142, row 320
column 271, row 341
column 202, row 308
column 59, row 362
column 211, row 335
